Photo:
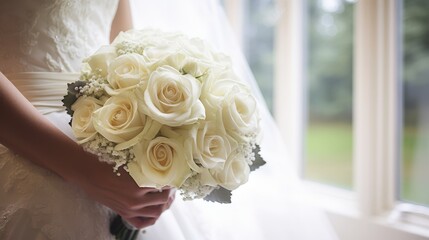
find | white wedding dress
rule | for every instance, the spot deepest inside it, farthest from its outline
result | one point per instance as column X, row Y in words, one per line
column 41, row 41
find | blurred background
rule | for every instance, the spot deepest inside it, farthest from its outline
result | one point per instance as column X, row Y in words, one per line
column 329, row 54
column 329, row 30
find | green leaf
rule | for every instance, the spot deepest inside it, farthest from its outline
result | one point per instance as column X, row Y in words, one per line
column 72, row 95
column 259, row 161
column 220, row 195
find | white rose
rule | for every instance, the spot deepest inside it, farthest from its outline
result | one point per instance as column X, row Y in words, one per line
column 222, row 59
column 101, row 59
column 196, row 67
column 126, row 72
column 233, row 174
column 160, row 162
column 82, row 123
column 172, row 98
column 120, row 121
column 231, row 102
column 215, row 88
column 156, row 53
column 184, row 63
column 195, row 47
column 166, row 53
column 239, row 112
column 212, row 145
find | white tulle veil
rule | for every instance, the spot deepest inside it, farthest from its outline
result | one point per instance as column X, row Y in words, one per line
column 262, row 208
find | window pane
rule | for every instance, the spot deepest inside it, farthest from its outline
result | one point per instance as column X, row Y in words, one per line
column 415, row 140
column 328, row 146
column 258, row 41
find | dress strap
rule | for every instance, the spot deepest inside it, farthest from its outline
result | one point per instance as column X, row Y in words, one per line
column 44, row 90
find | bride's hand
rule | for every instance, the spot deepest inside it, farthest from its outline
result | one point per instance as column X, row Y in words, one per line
column 141, row 207
column 151, row 214
column 26, row 132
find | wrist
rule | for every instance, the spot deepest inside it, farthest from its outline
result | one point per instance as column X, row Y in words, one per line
column 74, row 167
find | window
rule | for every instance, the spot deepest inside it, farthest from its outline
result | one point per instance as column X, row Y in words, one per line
column 258, row 43
column 350, row 92
column 329, row 69
column 415, row 133
column 254, row 22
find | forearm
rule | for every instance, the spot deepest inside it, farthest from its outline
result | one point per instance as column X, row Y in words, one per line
column 123, row 19
column 28, row 133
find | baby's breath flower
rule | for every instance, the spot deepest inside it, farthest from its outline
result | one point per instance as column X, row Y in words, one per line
column 128, row 47
column 193, row 189
column 105, row 150
column 95, row 85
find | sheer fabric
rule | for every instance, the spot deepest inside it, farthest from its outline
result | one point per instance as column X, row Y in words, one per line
column 49, row 38
column 264, row 208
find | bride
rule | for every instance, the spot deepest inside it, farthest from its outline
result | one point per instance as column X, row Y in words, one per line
column 51, row 189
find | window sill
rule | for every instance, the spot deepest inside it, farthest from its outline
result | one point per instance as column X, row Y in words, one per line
column 409, row 217
column 328, row 198
column 405, row 221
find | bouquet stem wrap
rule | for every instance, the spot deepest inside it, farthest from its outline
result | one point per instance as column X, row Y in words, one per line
column 123, row 230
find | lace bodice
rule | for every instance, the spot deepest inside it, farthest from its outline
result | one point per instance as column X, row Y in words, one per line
column 48, row 36
column 52, row 35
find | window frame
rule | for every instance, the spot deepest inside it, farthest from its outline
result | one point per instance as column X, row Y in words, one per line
column 372, row 208
column 376, row 123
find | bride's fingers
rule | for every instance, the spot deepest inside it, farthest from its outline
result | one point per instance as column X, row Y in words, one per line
column 134, row 206
column 170, row 200
column 151, row 199
column 153, row 211
column 156, row 210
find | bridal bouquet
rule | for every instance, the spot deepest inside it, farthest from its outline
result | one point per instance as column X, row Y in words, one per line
column 168, row 110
